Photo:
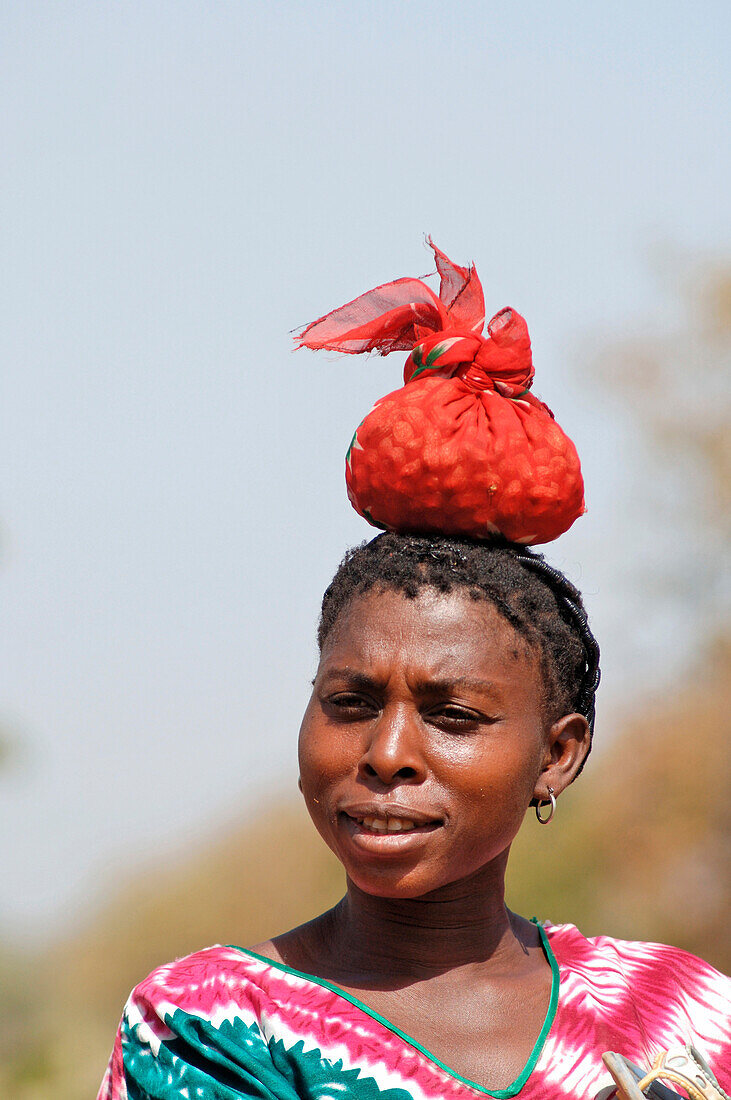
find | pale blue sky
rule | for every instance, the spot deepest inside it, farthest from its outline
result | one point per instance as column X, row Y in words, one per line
column 183, row 184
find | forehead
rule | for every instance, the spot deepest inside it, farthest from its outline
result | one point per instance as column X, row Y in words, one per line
column 448, row 635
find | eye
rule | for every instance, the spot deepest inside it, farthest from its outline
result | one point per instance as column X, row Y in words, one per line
column 454, row 718
column 349, row 705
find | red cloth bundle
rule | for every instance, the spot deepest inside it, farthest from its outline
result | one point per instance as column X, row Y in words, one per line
column 462, row 448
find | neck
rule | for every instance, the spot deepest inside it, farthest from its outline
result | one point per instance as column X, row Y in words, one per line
column 461, row 924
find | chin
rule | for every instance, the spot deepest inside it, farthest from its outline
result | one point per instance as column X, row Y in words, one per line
column 394, row 884
column 395, row 891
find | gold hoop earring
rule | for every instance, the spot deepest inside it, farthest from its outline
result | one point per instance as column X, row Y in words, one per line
column 542, row 802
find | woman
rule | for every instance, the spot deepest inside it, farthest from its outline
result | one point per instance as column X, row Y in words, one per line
column 451, row 694
column 455, row 689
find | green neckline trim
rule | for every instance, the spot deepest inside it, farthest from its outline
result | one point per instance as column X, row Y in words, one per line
column 499, row 1094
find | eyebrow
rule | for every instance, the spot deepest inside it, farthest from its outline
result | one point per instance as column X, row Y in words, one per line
column 449, row 683
column 355, row 679
column 442, row 686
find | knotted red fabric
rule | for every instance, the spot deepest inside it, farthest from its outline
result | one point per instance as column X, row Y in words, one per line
column 463, row 447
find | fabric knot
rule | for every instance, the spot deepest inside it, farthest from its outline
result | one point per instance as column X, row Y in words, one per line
column 502, row 361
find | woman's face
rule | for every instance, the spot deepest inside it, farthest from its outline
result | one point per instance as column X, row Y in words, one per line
column 423, row 741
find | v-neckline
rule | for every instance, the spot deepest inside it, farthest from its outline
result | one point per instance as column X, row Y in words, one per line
column 500, row 1094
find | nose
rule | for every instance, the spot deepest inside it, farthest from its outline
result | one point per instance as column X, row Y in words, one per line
column 394, row 749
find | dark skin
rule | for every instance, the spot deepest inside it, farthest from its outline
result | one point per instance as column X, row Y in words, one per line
column 424, row 742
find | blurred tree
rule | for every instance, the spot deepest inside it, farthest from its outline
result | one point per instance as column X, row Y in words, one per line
column 678, row 387
column 8, row 748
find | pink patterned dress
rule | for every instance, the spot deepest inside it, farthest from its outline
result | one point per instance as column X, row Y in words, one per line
column 226, row 1023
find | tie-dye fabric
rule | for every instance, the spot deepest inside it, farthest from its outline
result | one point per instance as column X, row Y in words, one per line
column 226, row 1023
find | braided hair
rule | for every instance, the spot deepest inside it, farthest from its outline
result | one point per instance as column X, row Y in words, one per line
column 542, row 605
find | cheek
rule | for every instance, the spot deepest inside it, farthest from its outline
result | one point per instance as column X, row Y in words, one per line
column 321, row 753
column 499, row 778
column 308, row 751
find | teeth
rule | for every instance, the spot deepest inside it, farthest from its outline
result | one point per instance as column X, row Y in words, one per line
column 388, row 824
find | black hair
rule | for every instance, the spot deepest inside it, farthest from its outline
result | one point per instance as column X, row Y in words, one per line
column 542, row 605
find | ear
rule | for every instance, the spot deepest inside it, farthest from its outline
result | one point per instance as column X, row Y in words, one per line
column 568, row 743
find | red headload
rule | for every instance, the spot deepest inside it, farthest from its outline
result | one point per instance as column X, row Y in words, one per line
column 462, row 448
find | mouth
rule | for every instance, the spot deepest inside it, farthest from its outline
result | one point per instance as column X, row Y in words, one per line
column 380, row 825
column 387, row 827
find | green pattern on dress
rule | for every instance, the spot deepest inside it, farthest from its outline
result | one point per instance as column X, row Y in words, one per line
column 234, row 1060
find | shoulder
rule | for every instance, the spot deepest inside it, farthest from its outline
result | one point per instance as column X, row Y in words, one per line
column 577, row 951
column 207, row 983
column 270, row 950
column 198, row 1019
column 661, row 991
